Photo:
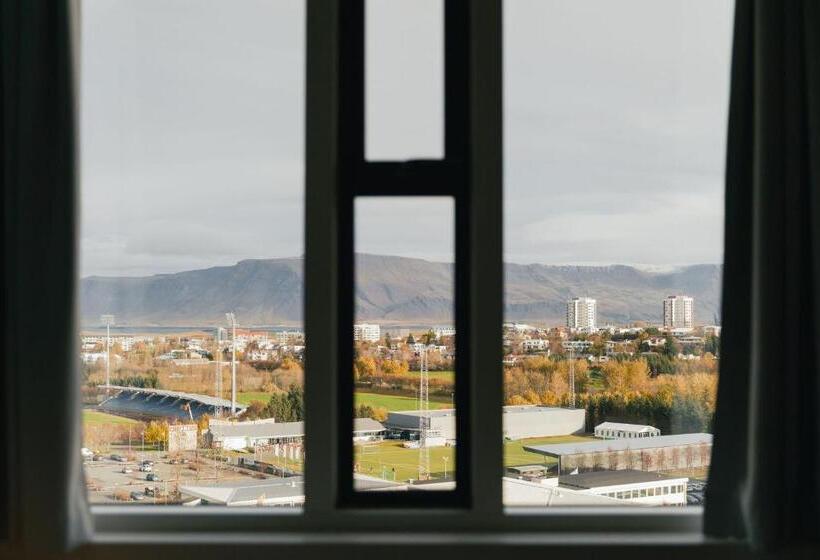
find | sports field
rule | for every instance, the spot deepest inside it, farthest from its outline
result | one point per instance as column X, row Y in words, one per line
column 381, row 459
column 448, row 376
column 247, row 397
column 515, row 455
column 394, row 402
column 95, row 417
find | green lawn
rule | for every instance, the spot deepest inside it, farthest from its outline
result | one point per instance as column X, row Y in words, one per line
column 515, row 455
column 446, row 375
column 246, row 398
column 394, row 402
column 95, row 417
column 379, row 460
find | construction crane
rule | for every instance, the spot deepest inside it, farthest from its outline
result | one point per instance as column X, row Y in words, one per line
column 424, row 416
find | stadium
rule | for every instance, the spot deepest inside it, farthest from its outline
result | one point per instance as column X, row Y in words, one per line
column 148, row 404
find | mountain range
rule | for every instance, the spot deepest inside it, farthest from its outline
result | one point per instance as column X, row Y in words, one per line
column 392, row 290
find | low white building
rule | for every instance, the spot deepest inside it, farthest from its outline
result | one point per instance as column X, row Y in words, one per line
column 576, row 345
column 444, row 331
column 637, row 487
column 547, row 493
column 535, row 345
column 243, row 435
column 618, row 430
column 520, row 421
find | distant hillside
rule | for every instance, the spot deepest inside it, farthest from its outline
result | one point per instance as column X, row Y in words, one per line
column 391, row 290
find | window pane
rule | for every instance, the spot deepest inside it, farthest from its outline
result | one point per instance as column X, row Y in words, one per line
column 404, row 79
column 191, row 243
column 404, row 337
column 615, row 125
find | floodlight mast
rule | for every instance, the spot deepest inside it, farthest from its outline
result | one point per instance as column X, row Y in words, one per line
column 424, row 416
column 107, row 320
column 232, row 322
column 218, row 356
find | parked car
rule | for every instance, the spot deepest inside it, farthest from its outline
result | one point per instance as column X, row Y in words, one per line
column 137, row 496
column 152, row 477
column 127, row 470
column 146, row 468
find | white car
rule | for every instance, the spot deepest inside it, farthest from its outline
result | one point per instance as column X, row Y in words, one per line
column 86, row 453
column 127, row 470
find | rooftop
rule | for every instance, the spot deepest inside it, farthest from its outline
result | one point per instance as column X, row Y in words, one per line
column 512, row 409
column 624, row 427
column 270, row 429
column 561, row 449
column 236, row 492
column 204, row 399
column 597, row 479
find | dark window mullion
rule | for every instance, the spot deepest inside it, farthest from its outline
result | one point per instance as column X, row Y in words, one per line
column 357, row 177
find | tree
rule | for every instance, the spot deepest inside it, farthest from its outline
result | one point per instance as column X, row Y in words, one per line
column 255, row 411
column 287, row 407
column 410, row 339
column 671, row 348
column 156, row 432
column 364, row 367
column 388, row 340
column 429, row 337
column 363, row 411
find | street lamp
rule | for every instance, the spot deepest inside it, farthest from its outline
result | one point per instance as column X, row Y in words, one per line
column 232, row 323
column 445, row 466
column 107, row 320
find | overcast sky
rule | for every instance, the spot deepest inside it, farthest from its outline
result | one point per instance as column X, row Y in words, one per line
column 192, row 131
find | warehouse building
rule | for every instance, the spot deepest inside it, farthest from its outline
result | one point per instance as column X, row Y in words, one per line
column 638, row 487
column 242, row 435
column 526, row 421
column 682, row 451
column 618, row 430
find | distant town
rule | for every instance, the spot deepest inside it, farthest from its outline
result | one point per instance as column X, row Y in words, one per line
column 594, row 414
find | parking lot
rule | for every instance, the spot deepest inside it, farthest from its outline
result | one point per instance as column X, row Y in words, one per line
column 116, row 481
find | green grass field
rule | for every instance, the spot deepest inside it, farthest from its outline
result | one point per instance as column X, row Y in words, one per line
column 246, row 398
column 448, row 376
column 515, row 455
column 394, row 402
column 95, row 417
column 379, row 460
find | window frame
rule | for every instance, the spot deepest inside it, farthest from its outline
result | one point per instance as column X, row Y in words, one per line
column 323, row 521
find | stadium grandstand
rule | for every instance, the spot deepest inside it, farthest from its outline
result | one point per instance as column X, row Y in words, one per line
column 145, row 403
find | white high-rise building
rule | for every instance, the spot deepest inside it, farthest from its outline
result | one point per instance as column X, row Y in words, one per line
column 677, row 312
column 366, row 332
column 581, row 314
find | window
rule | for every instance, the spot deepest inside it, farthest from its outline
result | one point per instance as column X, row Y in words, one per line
column 614, row 127
column 191, row 252
column 343, row 188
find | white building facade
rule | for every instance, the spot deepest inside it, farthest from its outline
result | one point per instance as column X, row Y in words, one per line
column 678, row 312
column 581, row 314
column 366, row 332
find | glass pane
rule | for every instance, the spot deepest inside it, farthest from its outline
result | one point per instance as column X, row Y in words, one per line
column 191, row 274
column 404, row 338
column 404, row 79
column 615, row 125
